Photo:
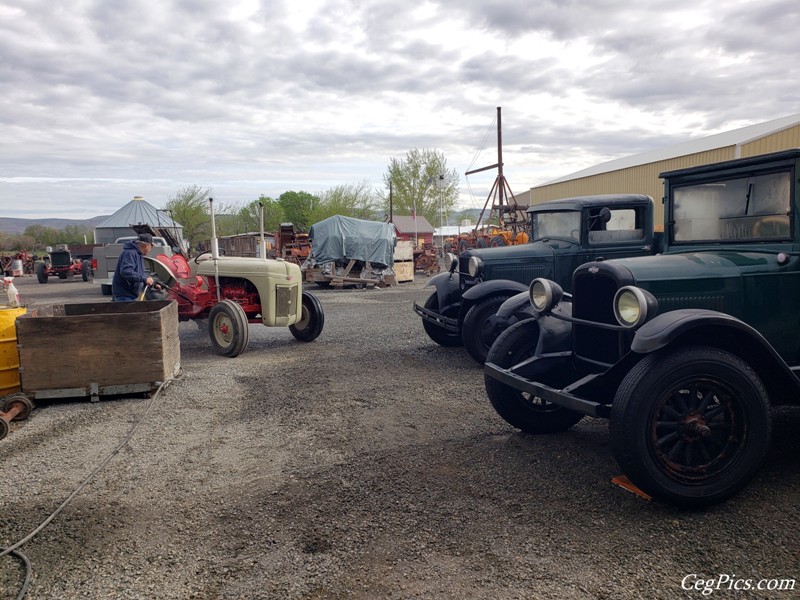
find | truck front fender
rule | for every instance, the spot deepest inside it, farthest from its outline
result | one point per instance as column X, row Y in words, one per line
column 665, row 328
column 448, row 290
column 488, row 289
column 712, row 328
column 493, row 287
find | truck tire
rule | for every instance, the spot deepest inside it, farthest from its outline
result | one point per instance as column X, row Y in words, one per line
column 308, row 328
column 690, row 426
column 475, row 333
column 86, row 270
column 228, row 329
column 438, row 334
column 41, row 272
column 497, row 241
column 520, row 409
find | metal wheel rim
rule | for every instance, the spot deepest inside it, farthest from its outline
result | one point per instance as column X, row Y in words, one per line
column 224, row 329
column 697, row 429
column 305, row 319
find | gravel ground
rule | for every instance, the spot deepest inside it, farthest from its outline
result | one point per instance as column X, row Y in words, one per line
column 367, row 464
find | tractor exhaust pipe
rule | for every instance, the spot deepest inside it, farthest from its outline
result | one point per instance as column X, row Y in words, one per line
column 215, row 249
column 214, row 244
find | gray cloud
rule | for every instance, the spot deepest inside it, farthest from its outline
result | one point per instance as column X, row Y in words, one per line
column 106, row 100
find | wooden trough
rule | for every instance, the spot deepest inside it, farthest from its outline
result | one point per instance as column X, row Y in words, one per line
column 97, row 349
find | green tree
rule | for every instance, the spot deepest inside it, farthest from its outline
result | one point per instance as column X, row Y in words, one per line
column 43, row 236
column 297, row 208
column 351, row 200
column 421, row 182
column 77, row 234
column 190, row 208
column 249, row 219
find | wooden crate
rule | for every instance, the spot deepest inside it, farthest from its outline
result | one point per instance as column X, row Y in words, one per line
column 403, row 250
column 404, row 271
column 96, row 349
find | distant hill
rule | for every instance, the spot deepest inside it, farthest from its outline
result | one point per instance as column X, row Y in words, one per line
column 16, row 226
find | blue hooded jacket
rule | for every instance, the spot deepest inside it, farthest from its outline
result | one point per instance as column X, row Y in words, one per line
column 129, row 276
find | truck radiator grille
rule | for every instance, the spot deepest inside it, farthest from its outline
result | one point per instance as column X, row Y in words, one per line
column 523, row 274
column 593, row 300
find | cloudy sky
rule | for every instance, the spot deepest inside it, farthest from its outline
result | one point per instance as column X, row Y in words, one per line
column 101, row 100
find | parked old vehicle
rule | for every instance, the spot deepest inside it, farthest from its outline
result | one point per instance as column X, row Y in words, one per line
column 232, row 292
column 60, row 263
column 565, row 233
column 686, row 351
column 104, row 258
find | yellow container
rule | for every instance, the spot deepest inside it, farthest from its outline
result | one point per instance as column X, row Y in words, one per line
column 9, row 354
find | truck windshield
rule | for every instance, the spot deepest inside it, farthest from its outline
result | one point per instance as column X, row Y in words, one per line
column 749, row 208
column 556, row 224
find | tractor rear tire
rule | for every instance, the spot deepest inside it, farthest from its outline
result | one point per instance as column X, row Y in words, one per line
column 228, row 329
column 41, row 272
column 308, row 328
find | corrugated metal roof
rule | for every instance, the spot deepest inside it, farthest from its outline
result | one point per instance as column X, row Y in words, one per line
column 737, row 137
column 136, row 212
column 406, row 224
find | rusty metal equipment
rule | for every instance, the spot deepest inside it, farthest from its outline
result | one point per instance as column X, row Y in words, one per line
column 426, row 259
column 512, row 223
column 15, row 408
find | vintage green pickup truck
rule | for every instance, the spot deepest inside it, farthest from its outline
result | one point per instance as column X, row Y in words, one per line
column 685, row 351
column 564, row 234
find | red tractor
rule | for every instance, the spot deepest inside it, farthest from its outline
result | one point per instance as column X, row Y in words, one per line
column 61, row 264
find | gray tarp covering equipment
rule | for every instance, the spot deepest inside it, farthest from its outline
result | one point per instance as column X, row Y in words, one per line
column 339, row 237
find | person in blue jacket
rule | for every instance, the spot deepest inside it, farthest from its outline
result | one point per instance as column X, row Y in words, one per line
column 129, row 276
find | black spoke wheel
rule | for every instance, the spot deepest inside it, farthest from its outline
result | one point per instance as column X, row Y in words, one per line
column 691, row 427
column 529, row 413
column 308, row 328
column 440, row 335
column 476, row 333
column 228, row 329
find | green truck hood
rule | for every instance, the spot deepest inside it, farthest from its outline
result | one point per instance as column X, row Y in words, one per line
column 717, row 264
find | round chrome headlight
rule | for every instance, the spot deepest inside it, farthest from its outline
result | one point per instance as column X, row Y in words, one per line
column 633, row 306
column 475, row 266
column 451, row 260
column 545, row 294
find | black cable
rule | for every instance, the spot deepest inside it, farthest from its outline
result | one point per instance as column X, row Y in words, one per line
column 13, row 548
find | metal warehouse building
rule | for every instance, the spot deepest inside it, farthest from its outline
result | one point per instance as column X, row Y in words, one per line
column 639, row 174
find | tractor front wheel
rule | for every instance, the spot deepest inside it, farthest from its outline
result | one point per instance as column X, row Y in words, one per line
column 228, row 329
column 308, row 328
